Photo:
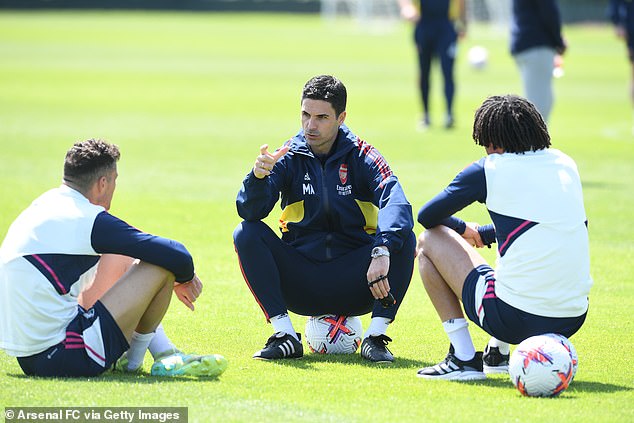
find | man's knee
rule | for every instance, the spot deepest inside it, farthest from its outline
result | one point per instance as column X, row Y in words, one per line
column 430, row 242
column 245, row 232
column 148, row 271
column 429, row 238
column 424, row 263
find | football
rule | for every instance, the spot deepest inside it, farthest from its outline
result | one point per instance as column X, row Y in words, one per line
column 332, row 334
column 571, row 350
column 478, row 57
column 540, row 366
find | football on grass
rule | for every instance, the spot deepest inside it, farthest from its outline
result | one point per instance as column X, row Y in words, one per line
column 541, row 366
column 333, row 334
column 571, row 350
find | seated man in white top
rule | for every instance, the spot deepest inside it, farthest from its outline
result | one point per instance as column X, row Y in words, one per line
column 62, row 243
column 542, row 277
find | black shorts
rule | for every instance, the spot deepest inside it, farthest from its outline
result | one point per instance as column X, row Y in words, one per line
column 93, row 343
column 503, row 321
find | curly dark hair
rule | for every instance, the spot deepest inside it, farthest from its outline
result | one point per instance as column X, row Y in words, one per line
column 87, row 161
column 327, row 88
column 510, row 122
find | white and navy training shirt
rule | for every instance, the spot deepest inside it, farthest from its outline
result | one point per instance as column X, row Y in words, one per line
column 536, row 203
column 50, row 253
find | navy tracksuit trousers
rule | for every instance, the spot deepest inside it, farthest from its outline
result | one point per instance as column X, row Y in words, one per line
column 282, row 279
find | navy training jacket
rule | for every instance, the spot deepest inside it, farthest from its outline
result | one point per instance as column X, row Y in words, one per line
column 536, row 23
column 352, row 200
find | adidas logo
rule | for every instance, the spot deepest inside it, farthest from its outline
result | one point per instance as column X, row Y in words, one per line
column 307, row 177
column 446, row 367
column 287, row 348
column 367, row 349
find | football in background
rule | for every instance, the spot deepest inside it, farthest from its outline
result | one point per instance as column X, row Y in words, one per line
column 333, row 334
column 541, row 366
column 478, row 57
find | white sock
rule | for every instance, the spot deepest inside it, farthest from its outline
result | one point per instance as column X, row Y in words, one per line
column 138, row 345
column 160, row 342
column 378, row 326
column 505, row 347
column 282, row 323
column 458, row 332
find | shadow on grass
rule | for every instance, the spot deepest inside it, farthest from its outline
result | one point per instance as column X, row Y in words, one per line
column 109, row 376
column 309, row 360
column 503, row 381
column 591, row 386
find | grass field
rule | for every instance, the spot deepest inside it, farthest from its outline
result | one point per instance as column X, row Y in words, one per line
column 189, row 98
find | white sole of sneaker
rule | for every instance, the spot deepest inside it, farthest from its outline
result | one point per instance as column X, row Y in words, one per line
column 461, row 376
column 495, row 369
column 274, row 359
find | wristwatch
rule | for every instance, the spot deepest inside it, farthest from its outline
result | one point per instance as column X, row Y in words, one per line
column 378, row 252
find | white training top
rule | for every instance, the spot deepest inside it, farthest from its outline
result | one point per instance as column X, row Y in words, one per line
column 35, row 309
column 50, row 254
column 545, row 269
column 536, row 203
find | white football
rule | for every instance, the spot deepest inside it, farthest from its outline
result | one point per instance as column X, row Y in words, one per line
column 332, row 334
column 571, row 350
column 478, row 57
column 540, row 366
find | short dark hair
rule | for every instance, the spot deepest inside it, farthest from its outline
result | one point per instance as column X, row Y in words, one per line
column 327, row 88
column 87, row 161
column 510, row 122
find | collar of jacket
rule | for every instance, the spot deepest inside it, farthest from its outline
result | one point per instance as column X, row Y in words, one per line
column 346, row 141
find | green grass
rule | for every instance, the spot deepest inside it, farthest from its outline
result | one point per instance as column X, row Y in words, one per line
column 189, row 98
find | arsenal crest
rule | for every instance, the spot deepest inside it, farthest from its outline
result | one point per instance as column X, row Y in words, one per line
column 343, row 173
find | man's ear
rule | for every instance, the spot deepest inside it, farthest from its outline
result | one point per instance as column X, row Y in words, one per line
column 342, row 117
column 101, row 183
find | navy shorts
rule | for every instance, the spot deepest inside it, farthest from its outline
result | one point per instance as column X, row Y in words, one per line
column 93, row 343
column 504, row 321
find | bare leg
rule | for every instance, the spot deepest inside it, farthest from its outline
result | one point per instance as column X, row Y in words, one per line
column 140, row 298
column 442, row 297
column 445, row 259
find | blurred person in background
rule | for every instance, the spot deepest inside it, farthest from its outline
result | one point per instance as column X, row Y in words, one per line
column 622, row 16
column 536, row 43
column 439, row 24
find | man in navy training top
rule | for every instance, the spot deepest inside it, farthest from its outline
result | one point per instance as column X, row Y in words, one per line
column 346, row 246
column 64, row 251
column 622, row 16
column 542, row 278
column 439, row 24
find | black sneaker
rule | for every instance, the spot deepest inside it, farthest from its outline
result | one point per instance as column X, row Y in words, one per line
column 374, row 348
column 281, row 345
column 452, row 368
column 493, row 361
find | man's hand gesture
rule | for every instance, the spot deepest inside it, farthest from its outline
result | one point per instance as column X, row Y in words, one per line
column 265, row 161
